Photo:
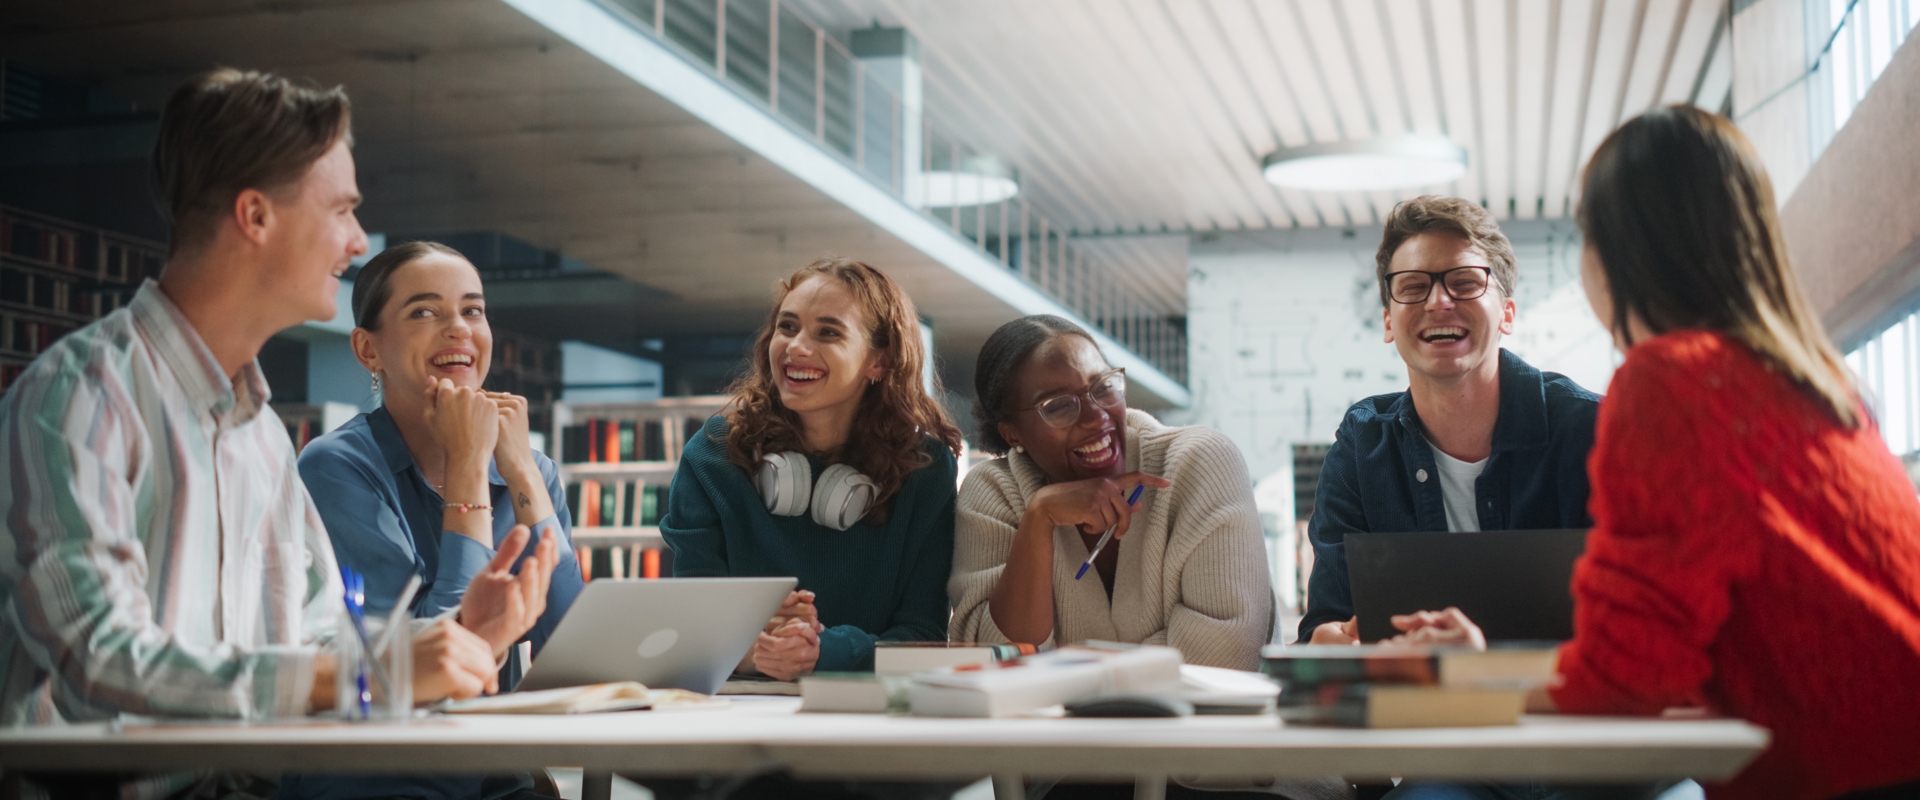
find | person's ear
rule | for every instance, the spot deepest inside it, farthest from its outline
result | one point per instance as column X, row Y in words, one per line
column 877, row 366
column 253, row 215
column 1386, row 322
column 1008, row 433
column 363, row 350
column 1508, row 311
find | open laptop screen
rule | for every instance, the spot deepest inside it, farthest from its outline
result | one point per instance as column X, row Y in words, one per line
column 1516, row 585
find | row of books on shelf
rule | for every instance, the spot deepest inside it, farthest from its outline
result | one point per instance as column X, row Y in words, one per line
column 61, row 296
column 616, row 504
column 78, row 250
column 525, row 355
column 620, row 562
column 22, row 336
column 610, row 441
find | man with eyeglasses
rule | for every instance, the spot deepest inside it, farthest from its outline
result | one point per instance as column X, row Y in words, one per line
column 1479, row 441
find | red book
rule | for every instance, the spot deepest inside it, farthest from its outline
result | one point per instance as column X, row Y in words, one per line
column 593, row 440
column 590, row 503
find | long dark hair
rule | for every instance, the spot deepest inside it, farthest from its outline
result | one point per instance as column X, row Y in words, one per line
column 896, row 414
column 1679, row 209
column 1005, row 350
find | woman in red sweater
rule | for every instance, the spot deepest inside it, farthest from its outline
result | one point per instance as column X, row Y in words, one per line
column 1755, row 548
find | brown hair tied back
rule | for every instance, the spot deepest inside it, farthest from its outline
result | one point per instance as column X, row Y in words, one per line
column 372, row 287
column 896, row 414
column 227, row 131
column 1681, row 213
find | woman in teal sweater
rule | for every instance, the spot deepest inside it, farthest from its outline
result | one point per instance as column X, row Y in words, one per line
column 786, row 483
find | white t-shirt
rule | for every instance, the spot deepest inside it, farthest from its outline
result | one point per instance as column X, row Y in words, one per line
column 1456, row 486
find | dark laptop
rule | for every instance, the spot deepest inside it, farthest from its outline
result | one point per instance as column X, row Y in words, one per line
column 1516, row 585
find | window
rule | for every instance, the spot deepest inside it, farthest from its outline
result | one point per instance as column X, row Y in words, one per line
column 1864, row 35
column 1888, row 366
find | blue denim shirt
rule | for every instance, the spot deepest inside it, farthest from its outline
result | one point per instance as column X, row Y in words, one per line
column 384, row 520
column 1535, row 479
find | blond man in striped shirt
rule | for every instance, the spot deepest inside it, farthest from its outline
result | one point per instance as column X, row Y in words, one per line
column 161, row 555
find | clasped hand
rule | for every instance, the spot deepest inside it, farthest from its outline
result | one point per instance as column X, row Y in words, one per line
column 789, row 646
column 466, row 422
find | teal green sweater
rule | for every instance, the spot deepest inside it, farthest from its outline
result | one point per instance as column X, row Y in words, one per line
column 870, row 583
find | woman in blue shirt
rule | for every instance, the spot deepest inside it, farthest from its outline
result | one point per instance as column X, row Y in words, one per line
column 786, row 482
column 422, row 485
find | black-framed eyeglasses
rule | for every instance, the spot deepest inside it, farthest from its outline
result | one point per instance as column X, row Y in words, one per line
column 1109, row 390
column 1413, row 287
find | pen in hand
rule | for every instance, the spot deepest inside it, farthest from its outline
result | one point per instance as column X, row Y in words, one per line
column 1108, row 536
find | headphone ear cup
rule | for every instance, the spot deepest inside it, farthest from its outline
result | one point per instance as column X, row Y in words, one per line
column 842, row 497
column 785, row 481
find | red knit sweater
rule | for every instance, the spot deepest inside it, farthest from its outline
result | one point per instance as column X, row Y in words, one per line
column 1751, row 556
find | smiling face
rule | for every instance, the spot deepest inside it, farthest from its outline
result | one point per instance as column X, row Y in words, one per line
column 1443, row 338
column 433, row 326
column 315, row 237
column 821, row 354
column 1095, row 444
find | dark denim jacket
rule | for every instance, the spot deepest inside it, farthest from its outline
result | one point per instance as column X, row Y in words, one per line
column 1536, row 478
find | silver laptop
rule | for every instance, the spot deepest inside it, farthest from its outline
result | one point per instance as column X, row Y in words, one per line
column 668, row 633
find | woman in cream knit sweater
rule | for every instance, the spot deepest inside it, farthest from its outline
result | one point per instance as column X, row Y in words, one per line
column 1188, row 565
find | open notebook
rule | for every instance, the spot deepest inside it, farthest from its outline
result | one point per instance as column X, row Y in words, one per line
column 616, row 696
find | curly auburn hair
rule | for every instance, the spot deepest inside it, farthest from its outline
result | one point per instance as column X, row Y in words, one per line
column 896, row 414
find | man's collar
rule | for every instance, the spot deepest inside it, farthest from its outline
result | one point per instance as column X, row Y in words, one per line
column 1522, row 423
column 180, row 345
column 393, row 447
column 1523, row 406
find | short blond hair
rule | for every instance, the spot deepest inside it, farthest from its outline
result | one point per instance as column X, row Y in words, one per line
column 1432, row 213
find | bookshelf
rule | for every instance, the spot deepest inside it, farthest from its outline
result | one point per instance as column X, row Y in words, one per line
column 528, row 367
column 57, row 276
column 616, row 461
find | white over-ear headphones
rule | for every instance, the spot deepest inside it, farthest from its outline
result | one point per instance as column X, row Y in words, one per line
column 838, row 500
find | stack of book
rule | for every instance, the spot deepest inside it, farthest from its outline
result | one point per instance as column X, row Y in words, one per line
column 611, row 441
column 906, row 658
column 1379, row 686
column 616, row 503
column 1031, row 684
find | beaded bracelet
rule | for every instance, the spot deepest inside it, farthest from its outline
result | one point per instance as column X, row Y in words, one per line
column 465, row 507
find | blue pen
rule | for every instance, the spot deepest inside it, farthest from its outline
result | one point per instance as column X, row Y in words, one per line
column 355, row 599
column 1108, row 536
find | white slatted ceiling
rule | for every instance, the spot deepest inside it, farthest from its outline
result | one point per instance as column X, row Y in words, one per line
column 1129, row 113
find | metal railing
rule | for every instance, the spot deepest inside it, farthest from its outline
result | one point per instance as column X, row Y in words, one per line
column 809, row 80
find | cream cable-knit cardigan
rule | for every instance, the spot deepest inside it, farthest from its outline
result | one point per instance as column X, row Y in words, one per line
column 1192, row 571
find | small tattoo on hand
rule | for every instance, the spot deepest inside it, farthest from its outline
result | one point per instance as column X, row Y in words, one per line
column 524, row 501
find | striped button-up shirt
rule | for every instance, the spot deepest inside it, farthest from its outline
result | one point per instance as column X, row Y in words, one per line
column 161, row 555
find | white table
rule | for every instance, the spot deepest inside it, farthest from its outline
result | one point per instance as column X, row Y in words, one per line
column 765, row 734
